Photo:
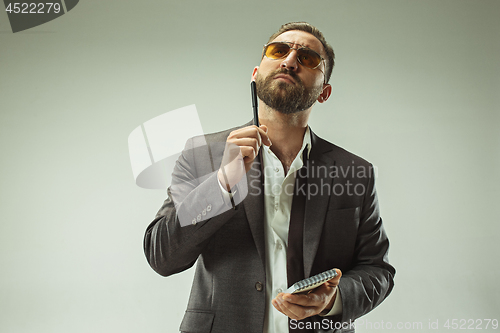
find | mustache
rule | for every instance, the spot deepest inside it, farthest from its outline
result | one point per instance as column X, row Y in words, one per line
column 288, row 72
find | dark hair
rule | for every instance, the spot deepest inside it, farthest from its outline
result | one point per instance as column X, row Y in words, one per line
column 306, row 27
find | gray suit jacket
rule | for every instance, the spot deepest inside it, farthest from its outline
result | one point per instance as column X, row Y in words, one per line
column 342, row 229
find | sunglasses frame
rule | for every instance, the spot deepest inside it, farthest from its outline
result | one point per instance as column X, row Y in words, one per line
column 293, row 48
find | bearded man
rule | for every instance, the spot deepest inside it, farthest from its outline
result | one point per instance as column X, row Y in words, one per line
column 256, row 223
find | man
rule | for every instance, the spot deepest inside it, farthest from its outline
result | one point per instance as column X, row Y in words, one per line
column 249, row 241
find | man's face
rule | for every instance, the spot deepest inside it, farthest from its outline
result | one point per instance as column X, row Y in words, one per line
column 286, row 85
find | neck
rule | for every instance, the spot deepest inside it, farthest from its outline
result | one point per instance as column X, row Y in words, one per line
column 286, row 131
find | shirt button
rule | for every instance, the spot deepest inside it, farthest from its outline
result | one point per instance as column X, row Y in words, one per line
column 276, row 206
column 279, row 290
column 259, row 286
column 204, row 212
column 209, row 208
column 278, row 245
column 193, row 222
column 198, row 218
column 277, row 170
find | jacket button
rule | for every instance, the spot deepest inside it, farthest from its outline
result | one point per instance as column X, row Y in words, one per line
column 259, row 286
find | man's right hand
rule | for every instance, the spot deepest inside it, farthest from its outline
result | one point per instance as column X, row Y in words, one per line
column 242, row 146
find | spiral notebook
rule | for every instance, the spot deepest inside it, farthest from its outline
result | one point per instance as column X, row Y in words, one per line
column 311, row 282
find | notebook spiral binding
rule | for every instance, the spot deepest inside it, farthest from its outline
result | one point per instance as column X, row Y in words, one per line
column 312, row 282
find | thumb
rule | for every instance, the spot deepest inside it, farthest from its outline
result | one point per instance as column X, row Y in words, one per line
column 332, row 283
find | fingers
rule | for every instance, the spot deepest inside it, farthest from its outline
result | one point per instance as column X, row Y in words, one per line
column 292, row 310
column 249, row 147
column 249, row 139
column 314, row 299
column 300, row 306
column 242, row 145
column 251, row 132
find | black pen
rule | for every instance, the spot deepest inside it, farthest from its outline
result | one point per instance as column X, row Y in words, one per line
column 255, row 104
column 255, row 107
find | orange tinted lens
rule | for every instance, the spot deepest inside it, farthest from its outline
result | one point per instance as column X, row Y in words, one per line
column 277, row 50
column 309, row 58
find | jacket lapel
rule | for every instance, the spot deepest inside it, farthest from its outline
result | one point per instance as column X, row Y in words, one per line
column 254, row 206
column 319, row 185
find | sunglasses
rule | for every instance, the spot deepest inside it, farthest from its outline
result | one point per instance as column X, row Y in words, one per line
column 306, row 57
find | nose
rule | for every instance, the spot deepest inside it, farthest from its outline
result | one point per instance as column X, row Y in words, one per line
column 290, row 62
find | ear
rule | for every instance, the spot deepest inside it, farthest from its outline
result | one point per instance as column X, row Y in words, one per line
column 254, row 73
column 325, row 94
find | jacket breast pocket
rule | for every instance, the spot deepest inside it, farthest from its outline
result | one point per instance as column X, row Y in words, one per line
column 197, row 321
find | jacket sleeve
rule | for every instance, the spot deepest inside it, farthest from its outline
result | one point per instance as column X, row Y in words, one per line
column 193, row 211
column 371, row 279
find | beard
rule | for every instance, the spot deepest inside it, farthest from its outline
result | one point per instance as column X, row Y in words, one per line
column 285, row 97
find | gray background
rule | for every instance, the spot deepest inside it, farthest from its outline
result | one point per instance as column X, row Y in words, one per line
column 415, row 91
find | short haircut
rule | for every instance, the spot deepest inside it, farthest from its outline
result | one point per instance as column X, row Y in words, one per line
column 306, row 27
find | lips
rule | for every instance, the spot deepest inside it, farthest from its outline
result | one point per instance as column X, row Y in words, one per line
column 284, row 77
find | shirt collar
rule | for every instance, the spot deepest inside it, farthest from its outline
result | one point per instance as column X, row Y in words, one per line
column 306, row 143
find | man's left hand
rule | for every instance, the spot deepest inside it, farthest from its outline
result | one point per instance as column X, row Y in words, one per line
column 298, row 306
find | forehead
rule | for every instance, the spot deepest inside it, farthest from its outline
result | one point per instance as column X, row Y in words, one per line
column 301, row 37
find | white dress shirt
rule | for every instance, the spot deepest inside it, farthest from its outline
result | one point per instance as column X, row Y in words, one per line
column 278, row 195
